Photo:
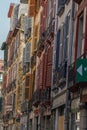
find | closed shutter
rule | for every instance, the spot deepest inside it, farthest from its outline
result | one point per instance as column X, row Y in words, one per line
column 27, row 51
column 49, row 67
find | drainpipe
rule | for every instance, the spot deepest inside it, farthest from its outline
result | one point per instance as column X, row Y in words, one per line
column 67, row 105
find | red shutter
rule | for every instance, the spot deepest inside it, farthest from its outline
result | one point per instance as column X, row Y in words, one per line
column 49, row 67
column 4, row 81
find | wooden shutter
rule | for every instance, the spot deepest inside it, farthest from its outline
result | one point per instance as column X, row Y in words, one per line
column 45, row 70
column 57, row 49
column 4, row 81
column 61, row 46
column 15, row 16
column 24, row 56
column 42, row 72
column 27, row 81
column 27, row 52
column 26, row 25
column 23, row 92
column 49, row 67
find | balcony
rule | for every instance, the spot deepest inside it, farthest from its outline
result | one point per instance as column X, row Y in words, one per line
column 10, row 114
column 77, row 1
column 26, row 68
column 14, row 84
column 71, row 75
column 46, row 97
column 6, row 117
column 37, row 97
column 9, row 88
column 30, row 104
column 41, row 40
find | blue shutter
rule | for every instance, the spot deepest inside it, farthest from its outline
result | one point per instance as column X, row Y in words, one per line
column 57, row 49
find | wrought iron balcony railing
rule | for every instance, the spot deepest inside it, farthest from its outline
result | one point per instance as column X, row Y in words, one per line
column 71, row 75
column 24, row 106
column 46, row 97
column 37, row 97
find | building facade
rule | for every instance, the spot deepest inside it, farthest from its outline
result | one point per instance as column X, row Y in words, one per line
column 78, row 104
column 41, row 90
column 62, row 57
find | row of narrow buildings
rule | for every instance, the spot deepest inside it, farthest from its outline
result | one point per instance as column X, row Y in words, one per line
column 40, row 88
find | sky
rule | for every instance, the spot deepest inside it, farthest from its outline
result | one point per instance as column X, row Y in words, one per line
column 4, row 21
